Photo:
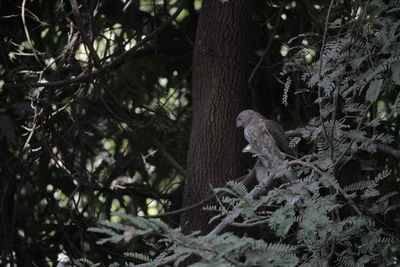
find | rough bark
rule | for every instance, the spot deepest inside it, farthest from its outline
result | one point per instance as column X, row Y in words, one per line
column 220, row 73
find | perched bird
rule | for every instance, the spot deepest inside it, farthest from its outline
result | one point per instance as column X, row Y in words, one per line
column 256, row 127
column 267, row 139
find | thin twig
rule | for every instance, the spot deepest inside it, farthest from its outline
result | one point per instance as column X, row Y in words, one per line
column 245, row 179
column 170, row 159
column 121, row 59
column 352, row 141
column 28, row 37
column 217, row 198
column 245, row 225
column 328, row 140
column 253, row 73
column 336, row 97
column 183, row 210
column 229, row 219
column 32, row 130
column 82, row 30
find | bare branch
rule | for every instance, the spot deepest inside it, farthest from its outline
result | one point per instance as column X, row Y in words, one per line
column 229, row 219
column 170, row 159
column 245, row 179
column 294, row 133
column 278, row 18
column 121, row 59
column 245, row 225
column 28, row 37
column 82, row 30
column 389, row 150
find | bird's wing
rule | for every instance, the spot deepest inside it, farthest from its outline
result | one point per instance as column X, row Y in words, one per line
column 276, row 131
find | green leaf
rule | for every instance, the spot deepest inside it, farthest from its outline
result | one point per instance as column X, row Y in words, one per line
column 374, row 89
column 284, row 227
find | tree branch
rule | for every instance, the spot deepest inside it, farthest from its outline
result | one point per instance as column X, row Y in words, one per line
column 245, row 225
column 389, row 150
column 170, row 159
column 121, row 59
column 245, row 179
column 229, row 219
column 352, row 141
column 253, row 73
column 82, row 30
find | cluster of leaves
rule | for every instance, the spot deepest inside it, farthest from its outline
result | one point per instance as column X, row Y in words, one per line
column 222, row 250
column 299, row 214
column 320, row 218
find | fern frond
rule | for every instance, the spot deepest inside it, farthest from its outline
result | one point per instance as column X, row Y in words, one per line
column 361, row 185
column 138, row 256
column 239, row 188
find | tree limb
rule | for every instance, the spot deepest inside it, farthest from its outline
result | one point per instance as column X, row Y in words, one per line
column 82, row 30
column 276, row 26
column 247, row 180
column 170, row 159
column 245, row 225
column 257, row 190
column 389, row 150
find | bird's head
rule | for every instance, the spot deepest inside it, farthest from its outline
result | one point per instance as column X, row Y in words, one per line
column 244, row 117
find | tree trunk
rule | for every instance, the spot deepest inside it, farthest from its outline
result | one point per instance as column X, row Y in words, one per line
column 220, row 73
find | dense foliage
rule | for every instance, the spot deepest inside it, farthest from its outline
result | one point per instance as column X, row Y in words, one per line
column 73, row 153
column 95, row 105
column 323, row 217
